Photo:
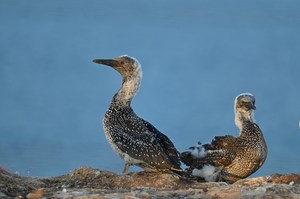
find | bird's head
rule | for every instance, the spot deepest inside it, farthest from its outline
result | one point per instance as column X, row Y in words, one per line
column 245, row 102
column 127, row 66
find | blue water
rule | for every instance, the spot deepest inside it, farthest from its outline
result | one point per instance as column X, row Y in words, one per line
column 196, row 57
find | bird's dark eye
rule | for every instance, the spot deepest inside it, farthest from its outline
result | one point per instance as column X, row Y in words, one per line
column 253, row 102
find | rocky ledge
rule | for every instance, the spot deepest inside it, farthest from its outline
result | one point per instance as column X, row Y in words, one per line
column 94, row 183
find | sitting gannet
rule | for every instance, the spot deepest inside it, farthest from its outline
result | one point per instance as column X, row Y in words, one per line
column 228, row 158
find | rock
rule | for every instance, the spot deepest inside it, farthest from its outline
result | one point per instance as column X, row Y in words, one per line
column 37, row 194
column 93, row 183
column 285, row 179
column 13, row 185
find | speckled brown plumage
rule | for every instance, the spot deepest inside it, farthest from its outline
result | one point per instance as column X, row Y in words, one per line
column 228, row 158
column 135, row 140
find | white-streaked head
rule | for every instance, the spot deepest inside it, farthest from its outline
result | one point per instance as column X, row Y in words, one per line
column 245, row 101
column 128, row 67
column 131, row 72
column 244, row 104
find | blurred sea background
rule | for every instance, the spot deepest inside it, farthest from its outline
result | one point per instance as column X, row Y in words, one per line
column 196, row 57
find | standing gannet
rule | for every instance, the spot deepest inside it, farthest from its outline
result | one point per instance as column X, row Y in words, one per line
column 228, row 158
column 135, row 140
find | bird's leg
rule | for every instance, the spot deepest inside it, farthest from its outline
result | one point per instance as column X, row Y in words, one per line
column 126, row 167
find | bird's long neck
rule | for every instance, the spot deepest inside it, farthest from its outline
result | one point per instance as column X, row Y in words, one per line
column 243, row 117
column 127, row 91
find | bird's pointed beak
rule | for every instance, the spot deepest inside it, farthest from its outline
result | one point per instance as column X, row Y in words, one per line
column 109, row 62
column 250, row 105
column 112, row 63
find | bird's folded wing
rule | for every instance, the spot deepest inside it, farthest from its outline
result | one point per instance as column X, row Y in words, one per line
column 146, row 143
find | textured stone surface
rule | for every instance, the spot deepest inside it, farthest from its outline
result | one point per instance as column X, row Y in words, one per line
column 93, row 183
